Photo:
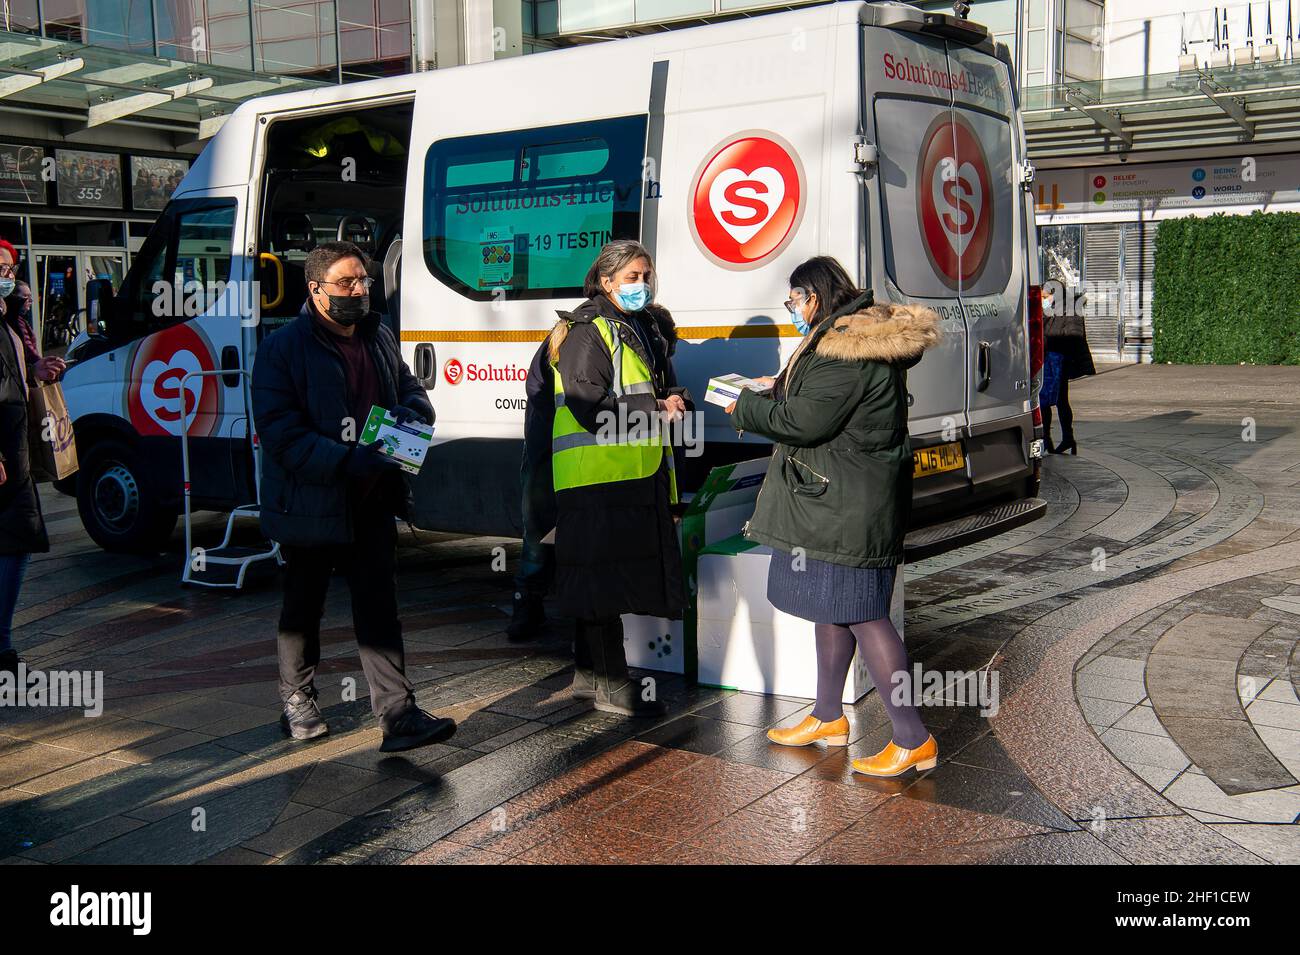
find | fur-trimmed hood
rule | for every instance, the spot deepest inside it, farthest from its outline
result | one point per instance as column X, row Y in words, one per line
column 888, row 333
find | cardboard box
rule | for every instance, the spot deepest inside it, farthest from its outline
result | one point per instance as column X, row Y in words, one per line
column 725, row 389
column 718, row 511
column 408, row 442
column 744, row 643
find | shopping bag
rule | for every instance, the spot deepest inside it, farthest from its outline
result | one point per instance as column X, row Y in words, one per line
column 49, row 433
column 1053, row 365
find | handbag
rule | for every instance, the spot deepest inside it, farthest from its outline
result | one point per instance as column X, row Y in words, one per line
column 50, row 437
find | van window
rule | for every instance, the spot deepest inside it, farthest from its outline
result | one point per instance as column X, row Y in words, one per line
column 525, row 212
column 190, row 249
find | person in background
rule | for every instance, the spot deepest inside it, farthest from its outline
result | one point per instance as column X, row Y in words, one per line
column 536, row 560
column 330, row 501
column 1065, row 344
column 835, row 501
column 616, row 548
column 22, row 526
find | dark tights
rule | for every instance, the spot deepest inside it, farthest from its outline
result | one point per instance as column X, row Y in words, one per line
column 883, row 651
column 1064, row 410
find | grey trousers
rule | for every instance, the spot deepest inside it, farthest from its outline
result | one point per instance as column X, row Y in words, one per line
column 370, row 566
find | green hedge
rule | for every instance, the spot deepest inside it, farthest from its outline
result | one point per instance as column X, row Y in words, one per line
column 1227, row 290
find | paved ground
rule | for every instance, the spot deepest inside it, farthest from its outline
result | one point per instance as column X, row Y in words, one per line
column 1144, row 634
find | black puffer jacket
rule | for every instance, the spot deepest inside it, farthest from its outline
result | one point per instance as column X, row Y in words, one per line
column 22, row 529
column 616, row 547
column 300, row 402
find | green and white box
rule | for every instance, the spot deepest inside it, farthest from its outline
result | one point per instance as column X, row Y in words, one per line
column 744, row 643
column 725, row 389
column 719, row 510
column 407, row 442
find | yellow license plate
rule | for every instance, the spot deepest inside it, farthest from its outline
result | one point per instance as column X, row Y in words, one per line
column 936, row 460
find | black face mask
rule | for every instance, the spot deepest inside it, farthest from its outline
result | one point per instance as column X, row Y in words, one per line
column 347, row 310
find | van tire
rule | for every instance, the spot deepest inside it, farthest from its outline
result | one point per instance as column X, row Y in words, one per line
column 120, row 509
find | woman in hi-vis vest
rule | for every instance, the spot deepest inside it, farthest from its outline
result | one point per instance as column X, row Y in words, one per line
column 616, row 547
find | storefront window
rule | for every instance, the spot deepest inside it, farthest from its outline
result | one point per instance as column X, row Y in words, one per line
column 20, row 16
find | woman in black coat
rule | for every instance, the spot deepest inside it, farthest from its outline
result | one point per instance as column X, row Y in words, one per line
column 1065, row 344
column 837, row 495
column 22, row 528
column 616, row 548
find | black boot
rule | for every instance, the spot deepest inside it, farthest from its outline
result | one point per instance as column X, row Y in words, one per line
column 301, row 718
column 584, row 677
column 616, row 690
column 527, row 619
column 411, row 727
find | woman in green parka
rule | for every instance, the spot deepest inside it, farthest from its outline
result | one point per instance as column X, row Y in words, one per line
column 835, row 503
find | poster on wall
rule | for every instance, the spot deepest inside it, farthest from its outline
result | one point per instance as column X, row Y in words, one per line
column 89, row 179
column 20, row 174
column 154, row 179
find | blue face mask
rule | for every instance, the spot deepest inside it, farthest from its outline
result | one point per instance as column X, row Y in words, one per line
column 634, row 297
column 796, row 316
column 6, row 288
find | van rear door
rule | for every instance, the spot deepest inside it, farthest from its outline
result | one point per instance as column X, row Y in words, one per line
column 901, row 111
column 979, row 211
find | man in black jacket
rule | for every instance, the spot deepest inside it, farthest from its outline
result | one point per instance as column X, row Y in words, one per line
column 329, row 501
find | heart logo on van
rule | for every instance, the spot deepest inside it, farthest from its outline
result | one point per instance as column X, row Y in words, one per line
column 746, row 200
column 155, row 399
column 959, row 199
column 954, row 201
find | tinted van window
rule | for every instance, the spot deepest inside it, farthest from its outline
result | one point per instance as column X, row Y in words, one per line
column 522, row 214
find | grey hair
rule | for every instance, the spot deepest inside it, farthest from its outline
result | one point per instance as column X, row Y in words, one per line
column 612, row 259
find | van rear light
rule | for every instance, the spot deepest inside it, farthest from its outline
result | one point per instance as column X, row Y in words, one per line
column 1036, row 349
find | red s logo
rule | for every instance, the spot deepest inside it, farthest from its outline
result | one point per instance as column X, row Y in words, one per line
column 453, row 371
column 746, row 200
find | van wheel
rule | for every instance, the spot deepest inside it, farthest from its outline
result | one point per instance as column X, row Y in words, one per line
column 119, row 508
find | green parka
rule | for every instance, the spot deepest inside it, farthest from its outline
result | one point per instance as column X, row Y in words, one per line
column 840, row 481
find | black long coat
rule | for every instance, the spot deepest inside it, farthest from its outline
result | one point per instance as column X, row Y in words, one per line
column 616, row 548
column 22, row 528
column 300, row 402
column 1068, row 336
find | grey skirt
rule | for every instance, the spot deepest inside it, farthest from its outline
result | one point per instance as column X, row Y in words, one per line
column 823, row 592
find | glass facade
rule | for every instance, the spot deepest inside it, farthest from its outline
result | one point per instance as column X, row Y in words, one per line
column 295, row 37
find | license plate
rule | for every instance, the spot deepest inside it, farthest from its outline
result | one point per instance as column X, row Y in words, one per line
column 937, row 459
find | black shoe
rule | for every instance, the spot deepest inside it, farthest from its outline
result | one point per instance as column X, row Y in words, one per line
column 9, row 661
column 301, row 718
column 413, row 727
column 616, row 690
column 584, row 677
column 527, row 619
column 1067, row 444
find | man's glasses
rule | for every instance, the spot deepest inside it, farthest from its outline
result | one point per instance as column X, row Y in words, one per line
column 349, row 284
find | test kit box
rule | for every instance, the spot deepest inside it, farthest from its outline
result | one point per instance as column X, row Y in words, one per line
column 719, row 510
column 725, row 389
column 744, row 643
column 407, row 442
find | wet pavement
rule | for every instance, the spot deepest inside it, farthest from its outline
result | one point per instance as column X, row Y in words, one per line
column 1144, row 636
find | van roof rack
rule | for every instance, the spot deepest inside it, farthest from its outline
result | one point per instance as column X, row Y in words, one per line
column 904, row 16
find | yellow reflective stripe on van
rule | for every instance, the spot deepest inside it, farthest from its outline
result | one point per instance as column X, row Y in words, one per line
column 686, row 332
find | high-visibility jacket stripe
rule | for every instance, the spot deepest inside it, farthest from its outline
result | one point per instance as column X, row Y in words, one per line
column 580, row 458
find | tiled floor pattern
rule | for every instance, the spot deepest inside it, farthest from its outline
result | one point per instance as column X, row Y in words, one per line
column 1161, row 589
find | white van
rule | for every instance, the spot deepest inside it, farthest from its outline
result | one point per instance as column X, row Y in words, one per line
column 877, row 133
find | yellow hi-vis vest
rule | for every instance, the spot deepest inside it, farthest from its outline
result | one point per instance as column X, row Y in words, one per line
column 580, row 458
